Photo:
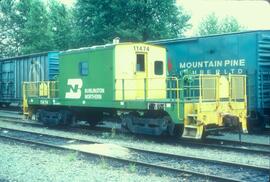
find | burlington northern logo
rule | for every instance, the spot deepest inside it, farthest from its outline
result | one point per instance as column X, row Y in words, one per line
column 75, row 89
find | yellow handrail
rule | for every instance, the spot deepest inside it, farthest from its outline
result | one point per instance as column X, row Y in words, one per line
column 45, row 89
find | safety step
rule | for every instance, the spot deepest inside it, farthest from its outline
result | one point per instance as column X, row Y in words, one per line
column 193, row 132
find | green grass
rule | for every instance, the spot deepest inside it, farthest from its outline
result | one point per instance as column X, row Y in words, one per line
column 132, row 168
column 72, row 156
column 103, row 163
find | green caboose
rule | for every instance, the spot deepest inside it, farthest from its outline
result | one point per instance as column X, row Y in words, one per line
column 127, row 81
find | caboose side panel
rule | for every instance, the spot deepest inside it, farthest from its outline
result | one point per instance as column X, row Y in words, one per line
column 140, row 72
column 86, row 77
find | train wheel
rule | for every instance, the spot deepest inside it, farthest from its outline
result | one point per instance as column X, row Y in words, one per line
column 125, row 119
column 177, row 130
column 204, row 134
column 4, row 104
column 38, row 115
column 53, row 118
column 171, row 125
column 73, row 120
column 255, row 125
column 93, row 120
column 144, row 125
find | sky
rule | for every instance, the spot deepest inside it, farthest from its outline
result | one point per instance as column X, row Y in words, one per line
column 252, row 14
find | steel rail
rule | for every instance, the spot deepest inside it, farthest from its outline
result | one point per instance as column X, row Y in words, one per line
column 243, row 147
column 178, row 157
column 229, row 145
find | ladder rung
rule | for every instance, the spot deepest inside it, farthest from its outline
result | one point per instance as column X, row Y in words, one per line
column 190, row 126
column 192, row 115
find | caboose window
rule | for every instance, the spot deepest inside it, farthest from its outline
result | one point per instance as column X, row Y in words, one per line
column 158, row 68
column 84, row 68
column 140, row 65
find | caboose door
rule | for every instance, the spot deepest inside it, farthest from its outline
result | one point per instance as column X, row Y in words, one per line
column 140, row 76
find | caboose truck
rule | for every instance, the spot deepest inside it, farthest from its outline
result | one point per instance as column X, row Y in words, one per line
column 128, row 80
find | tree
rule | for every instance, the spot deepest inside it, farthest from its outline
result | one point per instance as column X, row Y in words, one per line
column 25, row 27
column 28, row 26
column 209, row 25
column 60, row 25
column 33, row 33
column 230, row 24
column 212, row 25
column 8, row 44
column 99, row 22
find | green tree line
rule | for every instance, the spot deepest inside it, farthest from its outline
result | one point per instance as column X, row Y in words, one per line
column 30, row 26
column 211, row 25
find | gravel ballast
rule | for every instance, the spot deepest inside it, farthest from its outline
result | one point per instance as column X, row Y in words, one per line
column 122, row 140
column 19, row 162
column 206, row 167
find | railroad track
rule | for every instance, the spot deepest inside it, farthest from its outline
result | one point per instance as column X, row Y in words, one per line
column 177, row 164
column 228, row 145
column 11, row 109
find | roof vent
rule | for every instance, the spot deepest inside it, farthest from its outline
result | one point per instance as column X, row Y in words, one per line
column 116, row 40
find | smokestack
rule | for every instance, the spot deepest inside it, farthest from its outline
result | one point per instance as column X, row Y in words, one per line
column 116, row 40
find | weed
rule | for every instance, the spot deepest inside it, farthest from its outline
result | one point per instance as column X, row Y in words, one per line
column 72, row 156
column 132, row 168
column 103, row 163
column 105, row 135
column 113, row 133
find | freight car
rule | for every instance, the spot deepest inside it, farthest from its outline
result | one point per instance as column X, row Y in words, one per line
column 129, row 81
column 15, row 70
column 236, row 53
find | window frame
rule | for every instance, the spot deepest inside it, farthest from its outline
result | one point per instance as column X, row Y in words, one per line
column 162, row 68
column 84, row 70
column 144, row 63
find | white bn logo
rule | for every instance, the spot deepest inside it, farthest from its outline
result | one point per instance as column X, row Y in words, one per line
column 75, row 89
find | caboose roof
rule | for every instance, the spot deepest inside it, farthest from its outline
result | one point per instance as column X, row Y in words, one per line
column 101, row 47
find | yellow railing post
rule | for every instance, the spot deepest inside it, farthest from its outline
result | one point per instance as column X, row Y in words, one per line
column 245, row 90
column 48, row 89
column 123, row 89
column 177, row 97
column 145, row 89
column 200, row 91
column 217, row 82
column 230, row 88
column 25, row 104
